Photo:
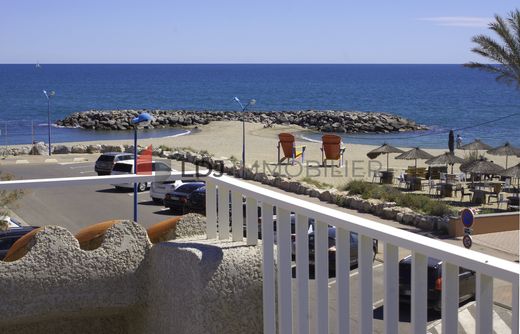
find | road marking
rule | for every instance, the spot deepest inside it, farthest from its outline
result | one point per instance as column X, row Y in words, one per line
column 499, row 325
column 467, row 321
column 80, row 159
column 357, row 272
column 50, row 161
column 378, row 303
column 22, row 161
column 87, row 172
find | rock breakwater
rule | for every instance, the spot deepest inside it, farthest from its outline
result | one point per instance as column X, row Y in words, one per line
column 324, row 121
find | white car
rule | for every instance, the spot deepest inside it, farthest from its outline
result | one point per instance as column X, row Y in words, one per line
column 159, row 189
column 127, row 167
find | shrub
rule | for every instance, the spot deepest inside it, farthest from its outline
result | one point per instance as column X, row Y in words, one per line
column 388, row 193
column 316, row 183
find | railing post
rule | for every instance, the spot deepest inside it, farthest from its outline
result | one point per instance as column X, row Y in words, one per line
column 237, row 216
column 514, row 308
column 365, row 256
column 484, row 314
column 391, row 306
column 283, row 229
column 268, row 270
column 343, row 280
column 321, row 259
column 450, row 297
column 302, row 274
column 419, row 293
column 211, row 210
column 223, row 212
column 252, row 221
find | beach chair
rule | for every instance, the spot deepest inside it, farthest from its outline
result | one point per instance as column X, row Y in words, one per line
column 286, row 144
column 332, row 149
column 497, row 188
column 464, row 193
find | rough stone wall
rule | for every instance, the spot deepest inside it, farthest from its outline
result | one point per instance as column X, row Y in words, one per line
column 128, row 286
column 202, row 287
column 56, row 280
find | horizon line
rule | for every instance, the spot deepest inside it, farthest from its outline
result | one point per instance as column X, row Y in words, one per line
column 32, row 64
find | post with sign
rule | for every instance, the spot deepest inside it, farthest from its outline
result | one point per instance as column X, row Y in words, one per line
column 467, row 217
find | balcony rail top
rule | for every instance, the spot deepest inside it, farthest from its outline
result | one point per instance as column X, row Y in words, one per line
column 486, row 264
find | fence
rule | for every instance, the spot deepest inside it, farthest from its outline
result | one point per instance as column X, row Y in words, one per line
column 277, row 272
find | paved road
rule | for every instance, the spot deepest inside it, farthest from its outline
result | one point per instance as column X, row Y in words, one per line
column 78, row 207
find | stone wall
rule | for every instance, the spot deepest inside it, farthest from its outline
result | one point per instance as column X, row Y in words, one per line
column 129, row 286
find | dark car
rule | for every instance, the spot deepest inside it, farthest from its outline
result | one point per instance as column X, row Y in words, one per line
column 466, row 282
column 176, row 200
column 106, row 161
column 332, row 248
column 9, row 237
column 196, row 201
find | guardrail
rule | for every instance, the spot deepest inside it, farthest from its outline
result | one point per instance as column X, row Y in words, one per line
column 277, row 279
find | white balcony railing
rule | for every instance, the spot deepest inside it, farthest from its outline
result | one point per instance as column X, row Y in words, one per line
column 277, row 285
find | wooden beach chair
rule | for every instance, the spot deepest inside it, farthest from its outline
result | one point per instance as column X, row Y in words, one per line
column 332, row 149
column 287, row 145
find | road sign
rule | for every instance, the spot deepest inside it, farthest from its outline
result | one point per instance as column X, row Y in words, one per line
column 468, row 230
column 467, row 216
column 467, row 241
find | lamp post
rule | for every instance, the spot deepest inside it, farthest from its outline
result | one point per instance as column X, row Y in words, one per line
column 250, row 103
column 48, row 95
column 142, row 118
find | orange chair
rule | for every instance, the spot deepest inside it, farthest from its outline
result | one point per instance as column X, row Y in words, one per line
column 290, row 150
column 332, row 149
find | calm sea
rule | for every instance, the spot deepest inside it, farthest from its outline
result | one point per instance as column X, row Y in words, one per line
column 441, row 96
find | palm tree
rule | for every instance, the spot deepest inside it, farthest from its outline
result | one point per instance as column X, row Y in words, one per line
column 505, row 55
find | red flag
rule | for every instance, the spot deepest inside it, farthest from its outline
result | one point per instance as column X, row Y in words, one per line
column 144, row 162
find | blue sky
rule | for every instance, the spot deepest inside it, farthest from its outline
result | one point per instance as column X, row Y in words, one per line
column 238, row 31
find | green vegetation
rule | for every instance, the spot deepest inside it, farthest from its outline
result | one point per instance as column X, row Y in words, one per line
column 165, row 148
column 316, row 183
column 504, row 55
column 7, row 196
column 388, row 193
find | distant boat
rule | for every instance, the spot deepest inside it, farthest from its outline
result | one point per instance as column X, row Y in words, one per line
column 38, row 65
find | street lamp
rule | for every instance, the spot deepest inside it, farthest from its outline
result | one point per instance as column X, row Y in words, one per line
column 250, row 103
column 142, row 118
column 48, row 95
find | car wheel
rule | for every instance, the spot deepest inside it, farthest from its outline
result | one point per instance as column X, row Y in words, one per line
column 141, row 187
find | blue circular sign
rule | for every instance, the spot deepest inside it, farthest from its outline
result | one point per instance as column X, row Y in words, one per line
column 467, row 216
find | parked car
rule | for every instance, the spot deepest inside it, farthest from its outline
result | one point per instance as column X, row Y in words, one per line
column 176, row 200
column 159, row 189
column 466, row 282
column 196, row 201
column 332, row 247
column 9, row 237
column 106, row 161
column 127, row 167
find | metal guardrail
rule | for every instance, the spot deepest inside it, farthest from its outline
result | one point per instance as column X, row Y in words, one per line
column 277, row 285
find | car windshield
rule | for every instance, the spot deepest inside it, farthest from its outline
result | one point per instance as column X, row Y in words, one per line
column 125, row 168
column 107, row 158
column 188, row 187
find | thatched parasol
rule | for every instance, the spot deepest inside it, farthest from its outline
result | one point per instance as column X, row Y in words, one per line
column 384, row 149
column 476, row 146
column 481, row 166
column 414, row 154
column 446, row 158
column 505, row 149
column 513, row 172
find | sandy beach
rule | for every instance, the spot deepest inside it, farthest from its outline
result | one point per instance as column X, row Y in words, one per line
column 224, row 139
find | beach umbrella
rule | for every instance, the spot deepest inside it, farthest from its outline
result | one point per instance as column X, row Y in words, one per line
column 481, row 166
column 505, row 149
column 414, row 154
column 451, row 142
column 384, row 149
column 476, row 146
column 446, row 158
column 513, row 172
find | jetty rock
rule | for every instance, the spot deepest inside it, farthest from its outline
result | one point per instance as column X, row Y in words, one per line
column 323, row 120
